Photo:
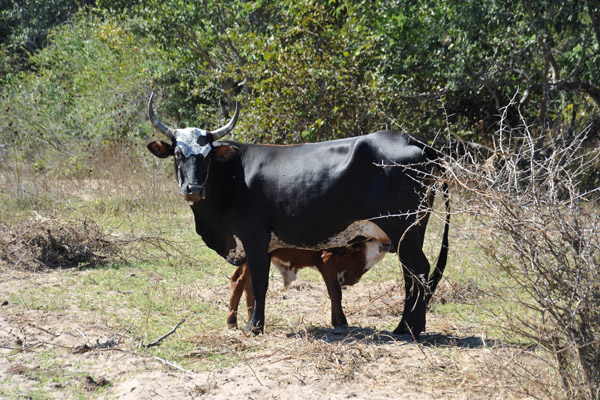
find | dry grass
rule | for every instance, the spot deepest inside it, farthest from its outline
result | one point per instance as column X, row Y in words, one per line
column 298, row 357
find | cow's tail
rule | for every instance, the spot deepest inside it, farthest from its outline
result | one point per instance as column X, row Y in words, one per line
column 438, row 272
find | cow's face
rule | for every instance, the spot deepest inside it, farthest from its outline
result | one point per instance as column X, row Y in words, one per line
column 193, row 150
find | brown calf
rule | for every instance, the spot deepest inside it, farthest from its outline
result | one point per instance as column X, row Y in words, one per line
column 339, row 268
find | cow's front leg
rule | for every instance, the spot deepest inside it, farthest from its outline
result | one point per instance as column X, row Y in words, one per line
column 259, row 263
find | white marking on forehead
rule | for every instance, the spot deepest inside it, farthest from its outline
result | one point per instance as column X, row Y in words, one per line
column 187, row 140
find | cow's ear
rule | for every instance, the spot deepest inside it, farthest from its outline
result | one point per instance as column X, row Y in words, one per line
column 160, row 149
column 224, row 152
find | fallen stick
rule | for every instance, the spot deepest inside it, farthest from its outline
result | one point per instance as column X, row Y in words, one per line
column 109, row 343
column 160, row 339
column 172, row 364
column 127, row 330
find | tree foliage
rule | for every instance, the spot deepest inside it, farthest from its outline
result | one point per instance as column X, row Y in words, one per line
column 87, row 86
column 314, row 70
column 311, row 70
column 24, row 26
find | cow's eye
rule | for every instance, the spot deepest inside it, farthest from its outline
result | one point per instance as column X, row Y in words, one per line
column 203, row 140
column 178, row 155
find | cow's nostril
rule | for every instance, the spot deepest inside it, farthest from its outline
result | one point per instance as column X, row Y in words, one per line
column 191, row 188
column 192, row 192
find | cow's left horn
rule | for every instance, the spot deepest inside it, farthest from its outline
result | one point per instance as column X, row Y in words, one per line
column 219, row 133
column 169, row 132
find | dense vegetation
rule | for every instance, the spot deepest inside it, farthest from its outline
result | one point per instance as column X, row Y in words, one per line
column 303, row 70
column 517, row 81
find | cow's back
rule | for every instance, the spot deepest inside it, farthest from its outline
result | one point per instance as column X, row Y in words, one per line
column 310, row 192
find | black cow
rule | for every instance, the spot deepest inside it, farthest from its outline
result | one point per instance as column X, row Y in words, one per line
column 250, row 199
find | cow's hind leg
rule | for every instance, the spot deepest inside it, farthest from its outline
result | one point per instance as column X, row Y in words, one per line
column 416, row 270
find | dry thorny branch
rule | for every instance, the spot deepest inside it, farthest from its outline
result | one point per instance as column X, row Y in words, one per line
column 544, row 229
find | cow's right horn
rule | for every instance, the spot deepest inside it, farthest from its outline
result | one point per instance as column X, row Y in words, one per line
column 219, row 133
column 169, row 132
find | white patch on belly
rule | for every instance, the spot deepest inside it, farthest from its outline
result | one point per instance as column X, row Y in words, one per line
column 359, row 228
column 373, row 254
column 237, row 253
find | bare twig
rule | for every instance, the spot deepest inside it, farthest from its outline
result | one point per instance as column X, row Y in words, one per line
column 174, row 365
column 251, row 369
column 124, row 333
column 20, row 258
column 109, row 343
column 545, row 230
column 163, row 337
column 82, row 335
column 43, row 330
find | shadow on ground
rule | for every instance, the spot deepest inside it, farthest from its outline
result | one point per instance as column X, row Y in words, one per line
column 379, row 337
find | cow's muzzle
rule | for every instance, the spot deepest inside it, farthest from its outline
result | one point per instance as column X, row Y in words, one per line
column 192, row 193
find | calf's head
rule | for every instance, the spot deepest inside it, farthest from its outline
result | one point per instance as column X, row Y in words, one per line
column 357, row 259
column 193, row 150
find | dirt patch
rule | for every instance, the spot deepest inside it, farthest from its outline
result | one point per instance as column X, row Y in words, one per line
column 299, row 357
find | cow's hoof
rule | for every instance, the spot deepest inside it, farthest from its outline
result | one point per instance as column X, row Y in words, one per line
column 340, row 326
column 232, row 321
column 255, row 330
column 404, row 329
column 340, row 330
column 339, row 322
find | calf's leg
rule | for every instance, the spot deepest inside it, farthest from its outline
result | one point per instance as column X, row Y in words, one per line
column 240, row 282
column 249, row 293
column 338, row 319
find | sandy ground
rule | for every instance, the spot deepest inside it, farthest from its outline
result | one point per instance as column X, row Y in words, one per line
column 451, row 361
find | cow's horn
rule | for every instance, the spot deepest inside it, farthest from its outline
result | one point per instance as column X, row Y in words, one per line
column 169, row 132
column 219, row 133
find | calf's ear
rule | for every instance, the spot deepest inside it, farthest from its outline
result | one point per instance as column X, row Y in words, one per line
column 326, row 256
column 224, row 152
column 160, row 149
